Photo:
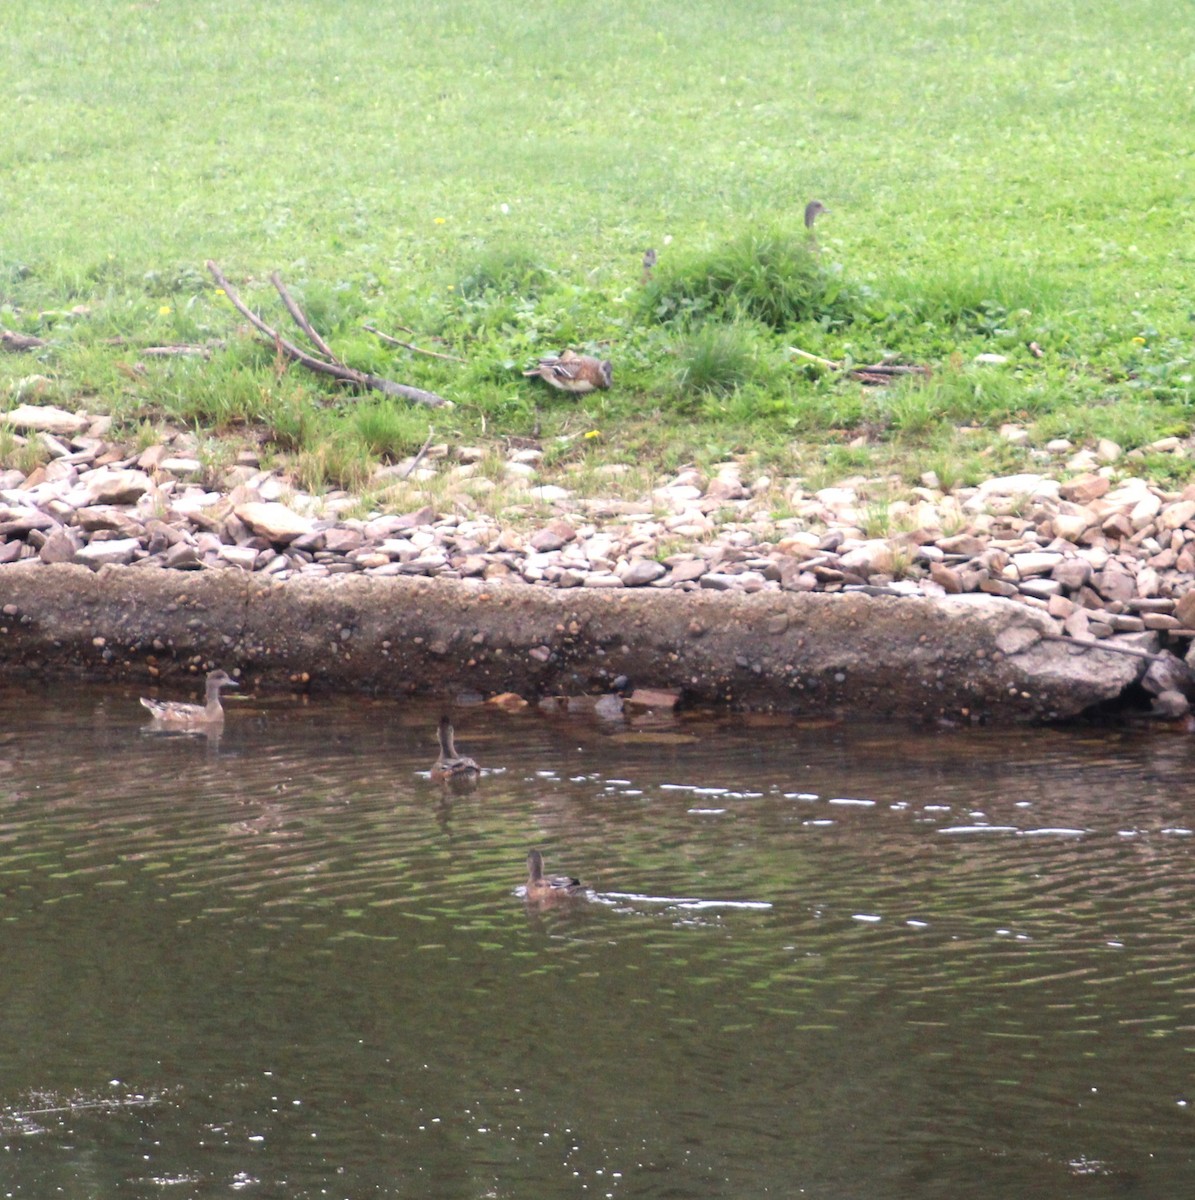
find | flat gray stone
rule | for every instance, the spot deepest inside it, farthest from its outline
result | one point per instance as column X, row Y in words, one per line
column 103, row 554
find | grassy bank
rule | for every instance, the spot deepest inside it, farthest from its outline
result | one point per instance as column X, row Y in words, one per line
column 488, row 176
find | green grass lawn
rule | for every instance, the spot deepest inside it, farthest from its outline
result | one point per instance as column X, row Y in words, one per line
column 489, row 174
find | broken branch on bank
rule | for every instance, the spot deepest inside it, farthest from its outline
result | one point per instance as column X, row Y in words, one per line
column 393, row 341
column 332, row 366
column 876, row 374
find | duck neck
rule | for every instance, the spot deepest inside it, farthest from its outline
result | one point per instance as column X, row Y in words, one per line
column 214, row 707
column 447, row 746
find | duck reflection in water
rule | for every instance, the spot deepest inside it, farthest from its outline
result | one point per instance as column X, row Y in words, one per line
column 548, row 889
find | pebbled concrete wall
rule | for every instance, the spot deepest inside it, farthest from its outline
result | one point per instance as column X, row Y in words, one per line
column 963, row 656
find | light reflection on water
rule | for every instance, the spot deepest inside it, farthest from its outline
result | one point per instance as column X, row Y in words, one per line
column 819, row 959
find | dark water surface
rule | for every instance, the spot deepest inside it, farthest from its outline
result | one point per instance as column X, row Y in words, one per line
column 825, row 960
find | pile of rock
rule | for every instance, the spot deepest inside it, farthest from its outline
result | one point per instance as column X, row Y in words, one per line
column 1104, row 554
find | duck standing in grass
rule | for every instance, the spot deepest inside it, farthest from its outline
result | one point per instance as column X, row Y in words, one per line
column 451, row 765
column 573, row 372
column 180, row 715
column 813, row 210
column 543, row 887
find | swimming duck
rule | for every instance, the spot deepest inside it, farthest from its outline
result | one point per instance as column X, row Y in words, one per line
column 451, row 765
column 548, row 887
column 573, row 372
column 176, row 712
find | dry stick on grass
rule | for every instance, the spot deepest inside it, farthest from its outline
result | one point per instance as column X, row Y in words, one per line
column 431, row 432
column 301, row 320
column 877, row 373
column 393, row 341
column 336, row 369
column 176, row 351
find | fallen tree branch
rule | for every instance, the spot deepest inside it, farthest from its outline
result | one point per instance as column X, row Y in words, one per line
column 393, row 341
column 300, row 318
column 337, row 370
column 877, row 373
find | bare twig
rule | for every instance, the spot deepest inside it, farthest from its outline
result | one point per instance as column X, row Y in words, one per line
column 431, row 431
column 176, row 351
column 822, row 362
column 337, row 370
column 1114, row 648
column 301, row 320
column 878, row 373
column 393, row 341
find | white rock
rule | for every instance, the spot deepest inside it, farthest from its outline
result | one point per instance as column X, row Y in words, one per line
column 44, row 418
column 103, row 486
column 873, row 557
column 550, row 493
column 273, row 521
column 1035, row 563
column 1019, row 485
column 120, row 551
column 640, row 571
column 239, row 556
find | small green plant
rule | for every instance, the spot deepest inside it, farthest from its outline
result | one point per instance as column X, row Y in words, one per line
column 876, row 519
column 333, row 463
column 21, row 454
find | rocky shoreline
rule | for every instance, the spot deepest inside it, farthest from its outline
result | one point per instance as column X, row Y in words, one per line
column 1101, row 557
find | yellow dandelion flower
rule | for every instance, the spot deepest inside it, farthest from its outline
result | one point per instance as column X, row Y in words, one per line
column 441, row 220
column 1138, row 341
column 220, row 292
column 594, row 433
column 164, row 310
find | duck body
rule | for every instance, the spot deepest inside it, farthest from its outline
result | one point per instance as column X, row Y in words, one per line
column 451, row 765
column 573, row 372
column 548, row 887
column 182, row 715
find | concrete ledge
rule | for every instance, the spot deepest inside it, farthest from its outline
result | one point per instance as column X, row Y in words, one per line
column 971, row 655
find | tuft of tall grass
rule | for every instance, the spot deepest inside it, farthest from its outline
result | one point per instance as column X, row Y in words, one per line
column 714, row 359
column 389, row 430
column 772, row 275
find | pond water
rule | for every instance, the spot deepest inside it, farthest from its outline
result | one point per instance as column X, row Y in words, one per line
column 816, row 959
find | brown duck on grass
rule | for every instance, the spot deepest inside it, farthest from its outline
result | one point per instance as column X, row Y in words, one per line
column 573, row 372
column 451, row 765
column 181, row 715
column 548, row 887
